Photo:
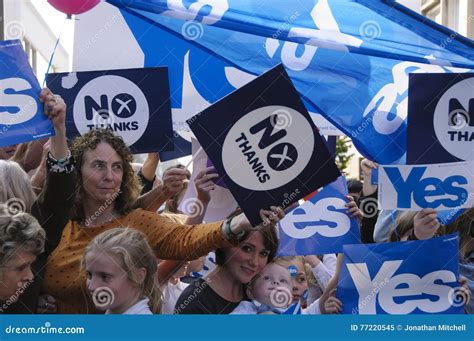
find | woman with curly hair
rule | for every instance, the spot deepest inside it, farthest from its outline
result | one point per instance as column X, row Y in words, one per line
column 107, row 191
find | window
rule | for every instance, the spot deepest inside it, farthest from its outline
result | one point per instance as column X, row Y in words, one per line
column 38, row 63
column 432, row 9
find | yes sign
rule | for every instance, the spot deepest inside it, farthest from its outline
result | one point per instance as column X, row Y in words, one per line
column 320, row 225
column 438, row 186
column 401, row 278
column 21, row 112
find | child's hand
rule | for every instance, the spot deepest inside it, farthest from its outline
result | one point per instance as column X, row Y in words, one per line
column 425, row 224
column 333, row 305
column 204, row 184
column 173, row 180
column 312, row 260
column 55, row 109
column 46, row 305
column 353, row 209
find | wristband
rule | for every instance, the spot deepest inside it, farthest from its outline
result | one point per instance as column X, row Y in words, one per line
column 228, row 231
column 63, row 165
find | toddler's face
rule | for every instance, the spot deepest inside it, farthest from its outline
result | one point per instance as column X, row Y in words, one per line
column 273, row 286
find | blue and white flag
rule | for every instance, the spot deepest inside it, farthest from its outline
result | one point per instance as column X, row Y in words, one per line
column 443, row 186
column 133, row 103
column 416, row 277
column 266, row 145
column 21, row 113
column 348, row 59
column 321, row 225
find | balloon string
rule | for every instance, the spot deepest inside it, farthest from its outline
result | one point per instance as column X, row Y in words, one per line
column 54, row 51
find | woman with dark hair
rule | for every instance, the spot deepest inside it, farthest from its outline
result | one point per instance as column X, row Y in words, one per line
column 107, row 192
column 222, row 291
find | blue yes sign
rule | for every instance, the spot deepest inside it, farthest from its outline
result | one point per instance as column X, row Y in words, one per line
column 401, row 278
column 438, row 186
column 321, row 225
column 21, row 112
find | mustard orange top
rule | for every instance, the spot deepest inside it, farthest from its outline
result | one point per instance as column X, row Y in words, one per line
column 66, row 281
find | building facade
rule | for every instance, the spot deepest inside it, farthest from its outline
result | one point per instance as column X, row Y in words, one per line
column 26, row 20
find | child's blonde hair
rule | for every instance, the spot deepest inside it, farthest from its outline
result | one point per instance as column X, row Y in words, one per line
column 132, row 248
column 286, row 260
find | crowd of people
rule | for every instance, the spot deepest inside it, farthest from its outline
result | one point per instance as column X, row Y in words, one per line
column 81, row 231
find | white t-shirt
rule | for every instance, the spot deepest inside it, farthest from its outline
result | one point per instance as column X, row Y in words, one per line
column 139, row 308
column 171, row 293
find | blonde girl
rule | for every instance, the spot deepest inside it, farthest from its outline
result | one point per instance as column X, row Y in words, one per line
column 121, row 273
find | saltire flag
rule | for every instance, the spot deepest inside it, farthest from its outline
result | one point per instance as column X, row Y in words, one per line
column 21, row 112
column 349, row 59
column 321, row 225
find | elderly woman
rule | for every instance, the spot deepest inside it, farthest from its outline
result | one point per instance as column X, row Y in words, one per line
column 108, row 189
column 21, row 241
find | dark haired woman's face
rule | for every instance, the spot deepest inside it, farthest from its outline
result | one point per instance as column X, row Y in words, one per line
column 102, row 173
column 248, row 259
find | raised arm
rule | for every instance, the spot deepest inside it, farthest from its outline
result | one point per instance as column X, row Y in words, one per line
column 173, row 182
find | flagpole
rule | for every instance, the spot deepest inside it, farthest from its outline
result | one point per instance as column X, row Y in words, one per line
column 193, row 157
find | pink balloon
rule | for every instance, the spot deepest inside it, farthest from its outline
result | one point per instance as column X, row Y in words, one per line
column 73, row 6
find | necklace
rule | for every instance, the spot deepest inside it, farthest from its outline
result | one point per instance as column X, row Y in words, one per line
column 89, row 222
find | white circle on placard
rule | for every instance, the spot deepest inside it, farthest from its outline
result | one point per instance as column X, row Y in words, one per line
column 288, row 143
column 453, row 126
column 117, row 104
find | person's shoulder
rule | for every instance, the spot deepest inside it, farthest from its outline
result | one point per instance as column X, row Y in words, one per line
column 245, row 308
column 196, row 298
